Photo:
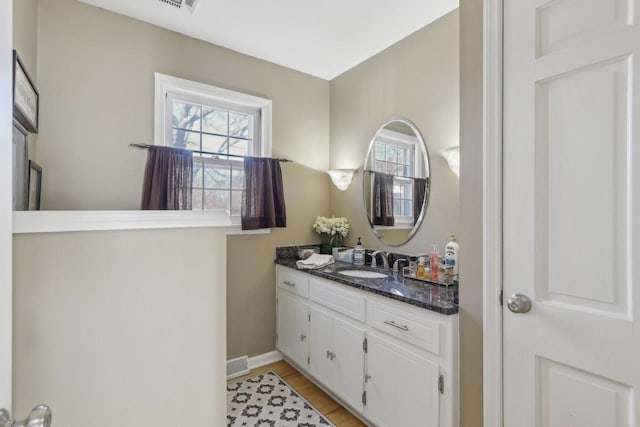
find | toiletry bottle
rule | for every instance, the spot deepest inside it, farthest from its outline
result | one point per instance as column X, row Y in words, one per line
column 451, row 254
column 358, row 253
column 434, row 260
column 420, row 273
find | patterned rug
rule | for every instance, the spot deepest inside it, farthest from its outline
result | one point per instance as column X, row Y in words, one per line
column 266, row 400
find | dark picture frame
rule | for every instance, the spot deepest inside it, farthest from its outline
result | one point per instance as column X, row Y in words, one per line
column 26, row 100
column 34, row 186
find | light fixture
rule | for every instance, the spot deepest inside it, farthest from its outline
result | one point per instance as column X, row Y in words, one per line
column 452, row 155
column 341, row 178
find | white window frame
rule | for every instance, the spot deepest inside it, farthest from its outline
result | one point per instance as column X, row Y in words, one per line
column 167, row 87
column 412, row 142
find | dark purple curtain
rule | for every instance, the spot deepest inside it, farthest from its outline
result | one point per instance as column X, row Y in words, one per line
column 419, row 194
column 263, row 196
column 383, row 199
column 167, row 179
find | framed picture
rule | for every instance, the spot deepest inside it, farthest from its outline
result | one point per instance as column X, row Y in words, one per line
column 20, row 166
column 26, row 101
column 35, row 186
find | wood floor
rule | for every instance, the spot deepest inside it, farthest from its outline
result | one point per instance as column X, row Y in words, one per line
column 318, row 398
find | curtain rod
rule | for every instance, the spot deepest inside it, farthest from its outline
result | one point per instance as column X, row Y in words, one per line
column 399, row 176
column 145, row 146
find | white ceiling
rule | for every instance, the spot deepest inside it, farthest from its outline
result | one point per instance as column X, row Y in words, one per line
column 323, row 38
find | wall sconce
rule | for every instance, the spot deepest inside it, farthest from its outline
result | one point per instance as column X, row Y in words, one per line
column 452, row 156
column 341, row 178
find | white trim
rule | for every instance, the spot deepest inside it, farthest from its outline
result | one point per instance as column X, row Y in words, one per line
column 6, row 167
column 265, row 359
column 64, row 221
column 492, row 213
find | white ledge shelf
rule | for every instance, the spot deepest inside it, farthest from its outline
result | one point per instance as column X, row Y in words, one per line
column 65, row 221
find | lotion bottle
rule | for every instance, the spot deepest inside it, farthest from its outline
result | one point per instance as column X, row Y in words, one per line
column 358, row 253
column 451, row 255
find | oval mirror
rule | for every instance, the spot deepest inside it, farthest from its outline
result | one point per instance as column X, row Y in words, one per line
column 396, row 181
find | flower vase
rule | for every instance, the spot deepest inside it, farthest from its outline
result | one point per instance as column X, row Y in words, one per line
column 330, row 242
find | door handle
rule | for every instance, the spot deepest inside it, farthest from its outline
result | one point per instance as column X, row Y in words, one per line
column 288, row 283
column 40, row 416
column 519, row 303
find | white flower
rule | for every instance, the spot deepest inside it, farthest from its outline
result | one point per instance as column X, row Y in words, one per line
column 331, row 226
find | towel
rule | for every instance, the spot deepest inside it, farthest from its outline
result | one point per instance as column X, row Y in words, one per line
column 315, row 261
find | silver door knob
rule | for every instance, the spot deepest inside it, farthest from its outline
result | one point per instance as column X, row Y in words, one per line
column 519, row 303
column 40, row 416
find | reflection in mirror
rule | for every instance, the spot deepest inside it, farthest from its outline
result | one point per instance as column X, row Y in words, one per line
column 396, row 181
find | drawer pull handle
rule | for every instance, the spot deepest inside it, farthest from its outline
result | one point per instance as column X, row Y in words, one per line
column 395, row 325
column 303, row 337
column 286, row 282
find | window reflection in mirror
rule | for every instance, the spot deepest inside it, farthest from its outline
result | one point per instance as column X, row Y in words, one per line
column 396, row 181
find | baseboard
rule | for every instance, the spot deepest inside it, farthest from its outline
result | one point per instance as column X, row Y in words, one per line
column 265, row 359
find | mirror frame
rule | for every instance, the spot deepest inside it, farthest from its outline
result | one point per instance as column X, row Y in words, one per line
column 427, row 161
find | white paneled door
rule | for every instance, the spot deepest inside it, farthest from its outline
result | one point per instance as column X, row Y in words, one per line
column 5, row 200
column 571, row 213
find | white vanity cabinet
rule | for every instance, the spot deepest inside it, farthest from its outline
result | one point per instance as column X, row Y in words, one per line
column 292, row 328
column 402, row 386
column 391, row 363
column 337, row 358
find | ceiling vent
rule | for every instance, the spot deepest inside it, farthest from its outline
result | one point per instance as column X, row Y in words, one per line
column 180, row 4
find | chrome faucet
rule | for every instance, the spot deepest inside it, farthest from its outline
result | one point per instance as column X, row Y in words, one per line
column 385, row 259
column 398, row 261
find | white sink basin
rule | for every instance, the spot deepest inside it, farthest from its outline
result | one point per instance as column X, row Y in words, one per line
column 363, row 274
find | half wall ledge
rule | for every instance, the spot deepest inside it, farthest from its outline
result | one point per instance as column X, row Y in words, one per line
column 67, row 221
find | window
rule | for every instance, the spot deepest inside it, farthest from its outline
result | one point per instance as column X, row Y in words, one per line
column 221, row 127
column 395, row 154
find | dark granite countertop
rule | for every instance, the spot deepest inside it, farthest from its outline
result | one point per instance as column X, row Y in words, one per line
column 426, row 295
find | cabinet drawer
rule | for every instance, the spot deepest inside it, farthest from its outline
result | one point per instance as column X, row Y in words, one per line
column 341, row 300
column 414, row 329
column 293, row 281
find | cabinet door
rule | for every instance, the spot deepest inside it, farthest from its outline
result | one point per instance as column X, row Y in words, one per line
column 348, row 338
column 403, row 387
column 321, row 332
column 293, row 325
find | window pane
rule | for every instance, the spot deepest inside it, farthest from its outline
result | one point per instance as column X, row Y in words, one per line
column 236, row 202
column 186, row 116
column 239, row 125
column 392, row 153
column 237, row 179
column 197, row 173
column 392, row 169
column 217, row 177
column 187, row 140
column 196, row 199
column 239, row 147
column 407, row 208
column 403, row 156
column 214, row 144
column 397, row 205
column 216, row 199
column 380, row 166
column 214, row 121
column 379, row 151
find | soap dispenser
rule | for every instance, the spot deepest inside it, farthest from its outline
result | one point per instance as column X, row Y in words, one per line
column 358, row 253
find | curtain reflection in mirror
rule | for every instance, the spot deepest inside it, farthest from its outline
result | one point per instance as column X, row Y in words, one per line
column 383, row 199
column 419, row 194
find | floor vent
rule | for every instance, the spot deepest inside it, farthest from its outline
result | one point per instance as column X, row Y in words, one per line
column 237, row 367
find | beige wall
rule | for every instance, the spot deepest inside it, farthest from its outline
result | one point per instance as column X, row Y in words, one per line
column 417, row 78
column 25, row 34
column 471, row 213
column 121, row 327
column 96, row 84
